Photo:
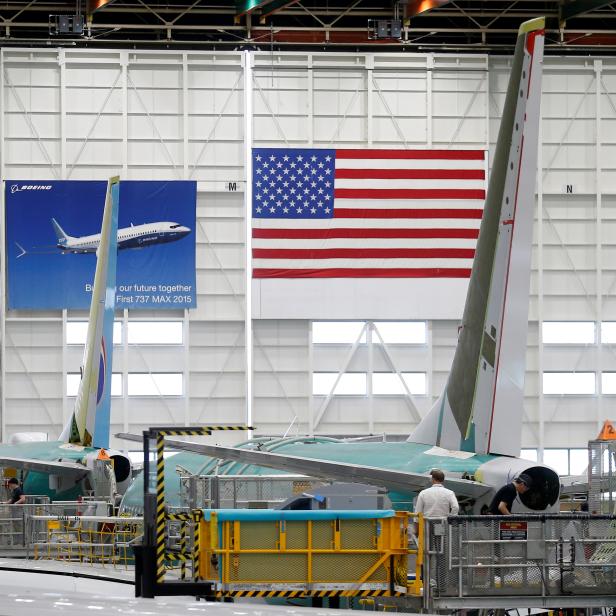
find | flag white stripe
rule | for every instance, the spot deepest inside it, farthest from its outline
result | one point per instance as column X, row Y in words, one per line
column 360, row 223
column 393, row 184
column 349, row 242
column 408, row 204
column 294, row 264
column 407, row 163
column 394, row 204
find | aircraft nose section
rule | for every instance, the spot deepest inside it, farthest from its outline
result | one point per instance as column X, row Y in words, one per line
column 184, row 230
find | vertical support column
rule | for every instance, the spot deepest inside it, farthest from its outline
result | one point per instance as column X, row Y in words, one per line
column 369, row 100
column 487, row 103
column 3, row 303
column 310, row 381
column 160, row 508
column 429, row 73
column 186, row 342
column 310, row 103
column 185, row 175
column 248, row 337
column 370, row 345
column 125, row 364
column 430, row 389
column 185, row 128
column 124, row 85
column 65, row 411
column 540, row 349
column 63, row 125
column 598, row 67
column 197, row 517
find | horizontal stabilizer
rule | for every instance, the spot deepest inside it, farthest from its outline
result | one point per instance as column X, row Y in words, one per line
column 64, row 469
column 397, row 481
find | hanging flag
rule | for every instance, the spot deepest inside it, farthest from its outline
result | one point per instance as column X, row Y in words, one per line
column 323, row 213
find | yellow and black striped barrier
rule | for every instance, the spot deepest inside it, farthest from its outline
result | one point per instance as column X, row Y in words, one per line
column 197, row 515
column 161, row 515
column 290, row 594
column 308, row 554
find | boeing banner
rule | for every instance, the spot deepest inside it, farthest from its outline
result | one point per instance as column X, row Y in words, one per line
column 53, row 232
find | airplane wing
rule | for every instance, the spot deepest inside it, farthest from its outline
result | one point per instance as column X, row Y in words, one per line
column 397, row 481
column 66, row 469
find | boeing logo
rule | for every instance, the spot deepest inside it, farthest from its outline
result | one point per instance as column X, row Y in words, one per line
column 17, row 188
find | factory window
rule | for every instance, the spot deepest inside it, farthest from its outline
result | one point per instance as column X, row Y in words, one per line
column 337, row 332
column 567, row 461
column 156, row 384
column 608, row 332
column 76, row 332
column 568, row 332
column 350, row 384
column 608, row 383
column 401, row 332
column 73, row 378
column 347, row 332
column 578, row 461
column 387, row 383
column 155, row 332
column 569, row 383
column 558, row 459
column 564, row 461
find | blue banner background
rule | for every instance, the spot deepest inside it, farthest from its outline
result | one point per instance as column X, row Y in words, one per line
column 157, row 276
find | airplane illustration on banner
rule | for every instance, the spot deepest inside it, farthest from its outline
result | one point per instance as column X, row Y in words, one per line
column 135, row 236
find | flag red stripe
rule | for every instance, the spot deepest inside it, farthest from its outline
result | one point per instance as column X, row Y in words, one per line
column 308, row 234
column 411, row 174
column 412, row 154
column 408, row 193
column 363, row 253
column 419, row 213
column 341, row 272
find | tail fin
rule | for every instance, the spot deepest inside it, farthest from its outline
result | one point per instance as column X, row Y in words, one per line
column 59, row 231
column 90, row 420
column 481, row 407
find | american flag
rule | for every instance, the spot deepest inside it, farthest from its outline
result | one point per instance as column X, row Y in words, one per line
column 322, row 213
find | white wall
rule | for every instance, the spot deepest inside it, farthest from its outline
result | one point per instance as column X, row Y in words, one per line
column 83, row 114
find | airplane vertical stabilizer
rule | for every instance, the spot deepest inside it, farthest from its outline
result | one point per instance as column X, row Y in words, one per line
column 61, row 234
column 481, row 407
column 89, row 422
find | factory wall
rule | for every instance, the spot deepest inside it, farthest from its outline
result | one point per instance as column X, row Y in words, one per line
column 89, row 114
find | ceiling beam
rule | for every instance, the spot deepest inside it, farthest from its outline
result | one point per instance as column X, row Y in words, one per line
column 274, row 7
column 245, row 7
column 578, row 7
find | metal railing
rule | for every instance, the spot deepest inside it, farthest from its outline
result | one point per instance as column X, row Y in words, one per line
column 101, row 540
column 242, row 491
column 543, row 556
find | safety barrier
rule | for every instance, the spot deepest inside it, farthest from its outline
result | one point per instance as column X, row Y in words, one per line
column 242, row 491
column 100, row 540
column 16, row 521
column 542, row 560
column 305, row 553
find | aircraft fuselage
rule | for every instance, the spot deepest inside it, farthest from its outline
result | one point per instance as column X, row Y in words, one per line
column 138, row 236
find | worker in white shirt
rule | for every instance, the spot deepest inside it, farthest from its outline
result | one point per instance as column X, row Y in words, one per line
column 437, row 501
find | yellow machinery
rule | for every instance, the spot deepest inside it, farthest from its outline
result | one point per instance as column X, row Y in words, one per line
column 268, row 553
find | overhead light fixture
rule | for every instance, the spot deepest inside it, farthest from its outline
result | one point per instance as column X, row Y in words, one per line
column 384, row 29
column 66, row 25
